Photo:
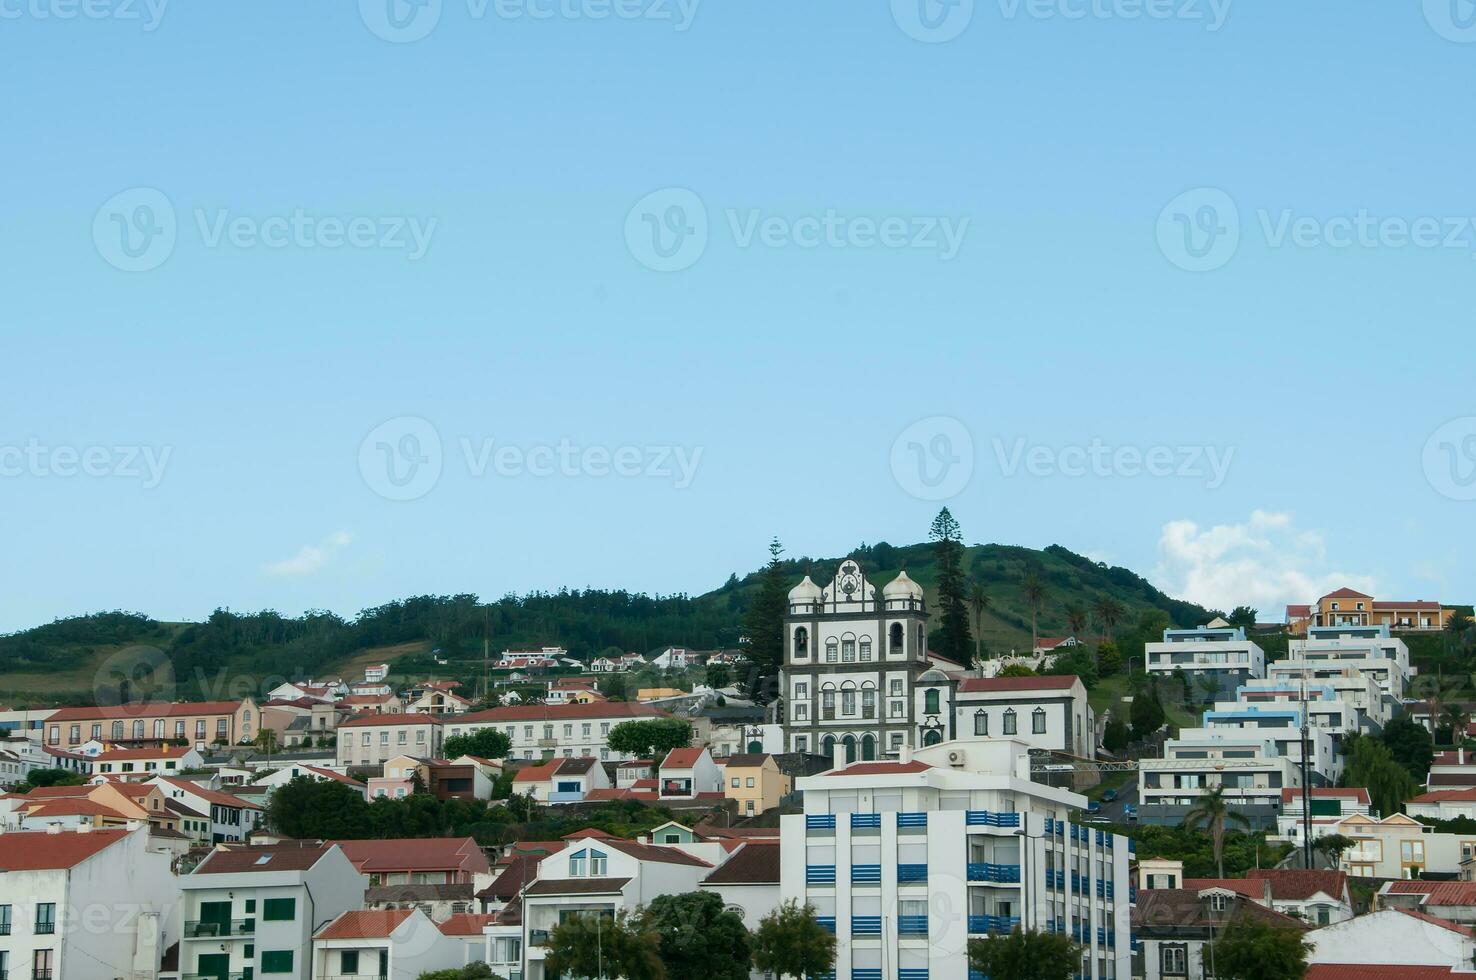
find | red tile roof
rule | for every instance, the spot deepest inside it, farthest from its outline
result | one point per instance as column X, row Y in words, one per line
column 1346, row 593
column 1253, row 890
column 235, row 859
column 1446, row 796
column 590, row 832
column 537, row 774
column 466, row 924
column 40, row 851
column 1296, row 885
column 388, row 718
column 1376, row 971
column 1295, row 611
column 881, row 768
column 651, row 852
column 682, row 758
column 990, row 685
column 1438, row 893
column 415, row 854
column 365, row 924
column 153, row 709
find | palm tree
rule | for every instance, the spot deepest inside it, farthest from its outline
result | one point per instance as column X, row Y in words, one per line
column 1109, row 613
column 1034, row 591
column 1213, row 814
column 978, row 601
column 1456, row 718
column 1076, row 620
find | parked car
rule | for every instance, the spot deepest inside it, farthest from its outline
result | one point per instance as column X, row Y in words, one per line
column 1109, row 796
column 1093, row 808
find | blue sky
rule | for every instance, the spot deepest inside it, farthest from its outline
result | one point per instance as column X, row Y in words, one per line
column 1002, row 262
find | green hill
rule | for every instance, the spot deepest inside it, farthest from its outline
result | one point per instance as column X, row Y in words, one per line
column 105, row 655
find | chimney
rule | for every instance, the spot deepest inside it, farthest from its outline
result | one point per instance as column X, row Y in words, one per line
column 53, row 828
column 84, row 828
column 904, row 753
column 837, row 756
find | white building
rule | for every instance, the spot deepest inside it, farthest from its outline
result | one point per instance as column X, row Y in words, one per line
column 257, row 908
column 908, row 860
column 568, row 730
column 144, row 763
column 687, row 773
column 1329, row 806
column 1246, row 763
column 1216, row 658
column 1394, row 937
column 1443, row 804
column 388, row 943
column 232, row 818
column 852, row 663
column 1329, row 650
column 84, row 905
column 1400, row 847
column 374, row 739
column 376, row 672
column 1049, row 712
column 281, row 777
column 748, row 884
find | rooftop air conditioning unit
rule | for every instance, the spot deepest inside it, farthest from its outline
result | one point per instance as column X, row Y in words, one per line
column 955, row 758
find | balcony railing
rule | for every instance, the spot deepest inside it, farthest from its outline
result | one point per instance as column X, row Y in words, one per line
column 912, row 821
column 913, row 974
column 41, row 975
column 45, row 928
column 819, row 821
column 866, row 821
column 871, row 973
column 984, row 818
column 866, row 874
column 999, row 925
column 212, row 976
column 994, row 874
column 4, row 928
column 912, row 925
column 212, row 929
column 827, row 922
column 865, row 925
column 820, row 874
column 912, row 874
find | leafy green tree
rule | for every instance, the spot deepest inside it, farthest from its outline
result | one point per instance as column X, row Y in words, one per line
column 1371, row 765
column 1109, row 659
column 1147, row 712
column 1243, row 616
column 1212, row 813
column 1016, row 670
column 700, row 939
column 1025, row 955
column 1034, row 592
column 952, row 638
column 1332, row 847
column 472, row 971
column 1454, row 719
column 1411, row 744
column 718, row 675
column 484, row 743
column 266, row 740
column 1116, row 736
column 595, row 945
column 651, row 738
column 791, row 942
column 978, row 600
column 764, row 622
column 318, row 808
column 50, row 777
column 1250, row 949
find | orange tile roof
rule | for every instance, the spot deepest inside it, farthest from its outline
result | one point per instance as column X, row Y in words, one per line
column 563, row 712
column 365, row 924
column 466, row 924
column 146, row 710
column 988, row 685
column 682, row 758
column 415, row 854
column 880, row 768
column 40, row 851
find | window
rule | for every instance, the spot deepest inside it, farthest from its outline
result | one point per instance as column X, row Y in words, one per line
column 896, row 687
column 199, row 729
column 749, row 782
column 568, row 731
column 402, row 736
column 865, row 648
column 97, row 730
column 896, row 638
column 1175, row 960
column 930, row 702
column 578, row 863
column 981, row 722
column 276, row 960
column 1009, row 721
column 1218, row 903
column 4, row 920
column 74, row 734
column 830, row 651
column 868, row 703
column 179, row 729
column 158, row 727
column 348, row 962
column 827, row 703
column 584, row 729
column 1038, row 721
column 41, row 964
column 848, row 702
column 117, row 730
column 279, row 909
column 801, row 712
column 45, row 918
column 735, row 782
column 597, row 862
column 801, row 690
column 801, row 642
column 848, row 650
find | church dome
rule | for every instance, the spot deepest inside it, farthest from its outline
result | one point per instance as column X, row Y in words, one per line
column 902, row 587
column 806, row 591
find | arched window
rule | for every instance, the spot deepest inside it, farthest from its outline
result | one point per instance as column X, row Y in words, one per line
column 830, row 651
column 896, row 638
column 1009, row 721
column 921, row 640
column 138, row 729
column 868, row 702
column 159, row 728
column 981, row 722
column 865, row 648
column 848, row 698
column 1038, row 721
column 827, row 746
column 848, row 649
column 930, row 701
column 827, row 703
column 117, row 730
column 850, row 743
column 801, row 642
column 868, row 747
column 933, row 737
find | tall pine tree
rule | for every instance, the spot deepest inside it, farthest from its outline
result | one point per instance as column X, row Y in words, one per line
column 764, row 622
column 952, row 639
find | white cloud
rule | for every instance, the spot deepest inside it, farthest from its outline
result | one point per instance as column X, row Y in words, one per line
column 311, row 557
column 1265, row 563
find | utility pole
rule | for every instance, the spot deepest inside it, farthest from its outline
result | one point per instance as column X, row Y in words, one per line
column 1306, row 782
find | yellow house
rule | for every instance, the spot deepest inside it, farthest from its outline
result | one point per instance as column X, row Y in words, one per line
column 753, row 781
column 656, row 693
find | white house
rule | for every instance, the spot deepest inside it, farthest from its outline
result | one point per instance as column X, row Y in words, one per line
column 232, row 818
column 1246, row 763
column 374, row 739
column 1443, row 804
column 909, row 860
column 1400, row 847
column 84, row 905
column 688, row 773
column 568, row 730
column 1394, row 937
column 1217, row 658
column 748, row 884
column 1047, row 712
column 561, row 780
column 283, row 776
column 1329, row 805
column 1369, row 649
column 376, row 672
column 257, row 908
column 144, row 763
column 388, row 943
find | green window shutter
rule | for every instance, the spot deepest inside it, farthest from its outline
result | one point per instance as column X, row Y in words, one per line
column 276, row 960
column 251, row 905
column 279, row 909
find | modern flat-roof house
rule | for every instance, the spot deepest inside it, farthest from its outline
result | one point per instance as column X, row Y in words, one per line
column 1349, row 607
column 200, row 723
column 1216, row 658
column 567, row 730
column 1048, row 712
column 374, row 739
column 84, row 905
column 1247, row 763
column 908, row 860
column 1327, row 650
column 255, row 909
